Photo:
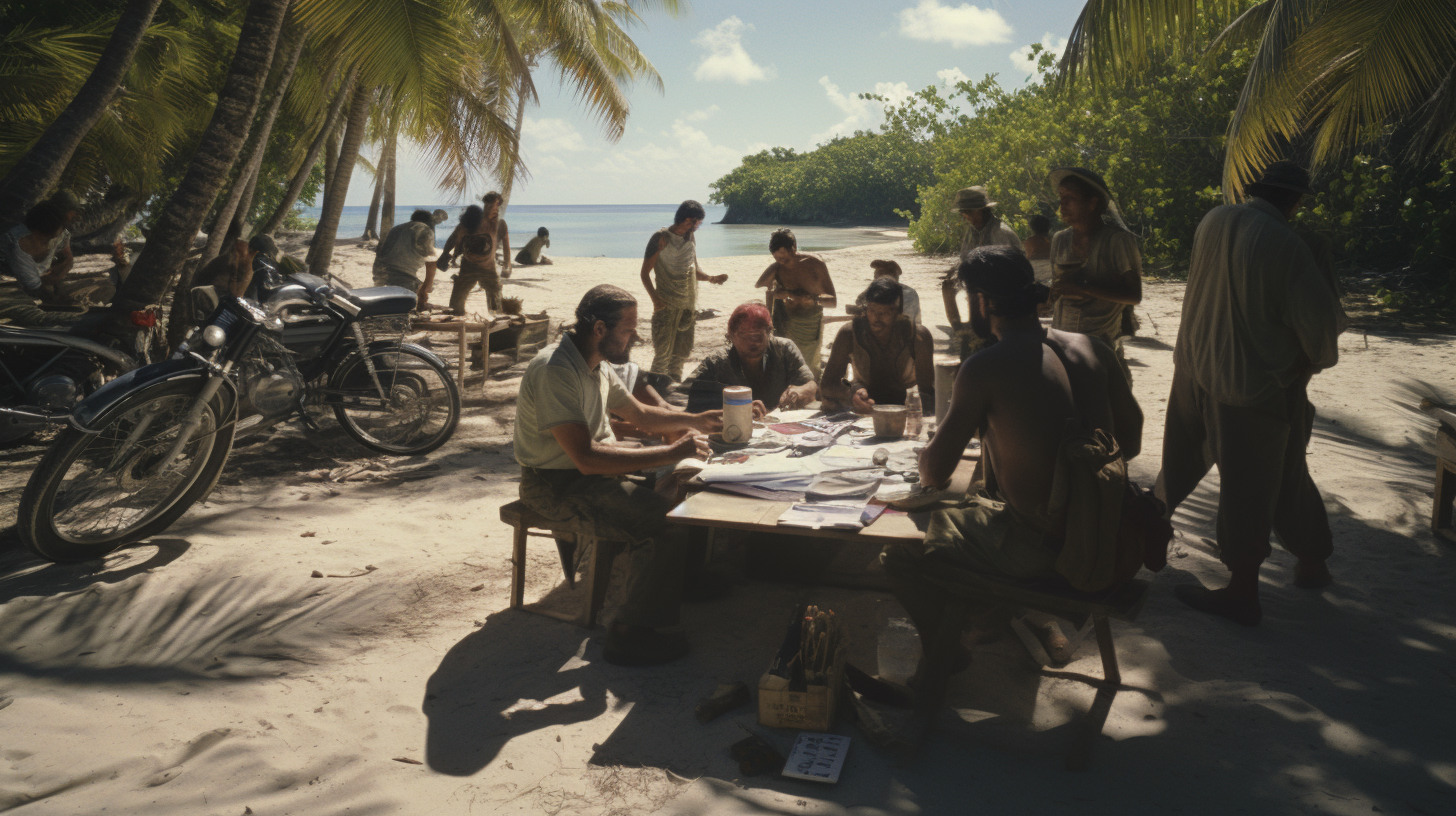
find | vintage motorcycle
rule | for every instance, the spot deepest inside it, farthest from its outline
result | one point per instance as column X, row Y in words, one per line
column 150, row 444
column 44, row 373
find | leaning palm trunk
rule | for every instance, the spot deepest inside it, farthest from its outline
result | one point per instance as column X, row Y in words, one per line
column 386, row 212
column 177, row 225
column 371, row 223
column 40, row 168
column 321, row 251
column 509, row 176
column 305, row 168
column 234, row 210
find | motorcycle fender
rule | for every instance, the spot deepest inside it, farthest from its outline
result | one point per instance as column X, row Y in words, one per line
column 92, row 414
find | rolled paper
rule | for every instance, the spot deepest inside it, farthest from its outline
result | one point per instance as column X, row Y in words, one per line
column 945, row 374
column 737, row 413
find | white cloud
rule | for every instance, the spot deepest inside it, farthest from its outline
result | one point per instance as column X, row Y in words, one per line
column 726, row 59
column 552, row 136
column 860, row 114
column 958, row 25
column 683, row 155
column 702, row 115
column 1027, row 68
column 951, row 76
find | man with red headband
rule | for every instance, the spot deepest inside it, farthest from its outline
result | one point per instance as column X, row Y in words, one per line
column 772, row 366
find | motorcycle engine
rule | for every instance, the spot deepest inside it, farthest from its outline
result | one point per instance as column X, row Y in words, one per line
column 56, row 391
column 271, row 392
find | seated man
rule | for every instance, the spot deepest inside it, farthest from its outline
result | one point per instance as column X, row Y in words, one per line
column 771, row 366
column 530, row 254
column 910, row 298
column 571, row 468
column 890, row 355
column 1019, row 394
column 28, row 265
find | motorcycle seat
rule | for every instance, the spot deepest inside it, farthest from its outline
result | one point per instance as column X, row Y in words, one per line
column 383, row 300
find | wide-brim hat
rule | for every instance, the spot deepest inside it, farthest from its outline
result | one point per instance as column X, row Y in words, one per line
column 1286, row 175
column 972, row 198
column 1060, row 174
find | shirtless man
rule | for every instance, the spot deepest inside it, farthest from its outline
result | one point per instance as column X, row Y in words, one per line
column 1017, row 394
column 801, row 283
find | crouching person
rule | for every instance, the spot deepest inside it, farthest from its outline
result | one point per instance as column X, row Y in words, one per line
column 572, row 468
column 1029, row 396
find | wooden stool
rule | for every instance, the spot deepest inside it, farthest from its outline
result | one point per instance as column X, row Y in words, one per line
column 966, row 587
column 527, row 522
column 1445, row 484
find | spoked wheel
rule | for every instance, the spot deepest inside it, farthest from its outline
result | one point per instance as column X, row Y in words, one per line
column 94, row 492
column 407, row 405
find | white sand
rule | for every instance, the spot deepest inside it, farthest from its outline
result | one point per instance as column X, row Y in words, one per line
column 207, row 673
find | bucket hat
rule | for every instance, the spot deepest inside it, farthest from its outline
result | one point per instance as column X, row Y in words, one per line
column 972, row 198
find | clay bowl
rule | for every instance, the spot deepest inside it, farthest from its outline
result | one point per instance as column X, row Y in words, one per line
column 889, row 421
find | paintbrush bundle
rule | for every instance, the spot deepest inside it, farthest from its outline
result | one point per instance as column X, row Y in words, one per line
column 806, row 657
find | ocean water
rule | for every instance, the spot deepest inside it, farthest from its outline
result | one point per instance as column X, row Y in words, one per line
column 621, row 231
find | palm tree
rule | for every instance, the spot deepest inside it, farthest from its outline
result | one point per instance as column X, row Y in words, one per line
column 1327, row 75
column 237, row 102
column 35, row 174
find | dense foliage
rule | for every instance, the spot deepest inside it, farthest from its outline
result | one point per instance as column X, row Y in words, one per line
column 867, row 178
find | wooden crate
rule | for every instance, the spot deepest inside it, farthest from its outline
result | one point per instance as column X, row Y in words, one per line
column 811, row 710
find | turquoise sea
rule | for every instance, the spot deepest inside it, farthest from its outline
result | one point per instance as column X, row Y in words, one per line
column 621, row 231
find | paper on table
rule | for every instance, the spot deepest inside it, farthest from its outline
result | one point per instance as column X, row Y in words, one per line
column 823, row 515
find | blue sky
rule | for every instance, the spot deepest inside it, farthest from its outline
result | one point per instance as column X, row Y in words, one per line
column 744, row 76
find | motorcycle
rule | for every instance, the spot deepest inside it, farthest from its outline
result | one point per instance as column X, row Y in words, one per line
column 150, row 444
column 44, row 373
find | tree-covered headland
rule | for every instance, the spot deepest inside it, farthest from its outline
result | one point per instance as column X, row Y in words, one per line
column 1173, row 133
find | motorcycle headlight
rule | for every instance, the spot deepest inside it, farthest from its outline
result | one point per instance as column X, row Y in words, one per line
column 214, row 336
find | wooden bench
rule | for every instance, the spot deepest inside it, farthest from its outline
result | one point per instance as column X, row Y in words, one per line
column 1445, row 494
column 570, row 538
column 965, row 588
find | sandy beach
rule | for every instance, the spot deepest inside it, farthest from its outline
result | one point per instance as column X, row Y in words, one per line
column 206, row 672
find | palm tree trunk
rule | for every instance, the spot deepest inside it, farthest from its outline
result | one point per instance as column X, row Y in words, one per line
column 177, row 225
column 40, row 168
column 370, row 223
column 300, row 178
column 386, row 213
column 245, row 205
column 248, row 173
column 509, row 177
column 321, row 251
column 331, row 159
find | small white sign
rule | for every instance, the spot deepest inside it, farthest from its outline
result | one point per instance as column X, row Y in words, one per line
column 817, row 757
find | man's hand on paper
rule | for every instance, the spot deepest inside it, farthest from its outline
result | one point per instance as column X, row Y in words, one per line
column 861, row 402
column 692, row 445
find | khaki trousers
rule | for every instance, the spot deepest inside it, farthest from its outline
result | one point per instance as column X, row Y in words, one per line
column 1263, row 474
column 619, row 509
column 673, row 331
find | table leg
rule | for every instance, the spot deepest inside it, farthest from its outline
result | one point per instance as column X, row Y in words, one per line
column 485, row 357
column 460, row 368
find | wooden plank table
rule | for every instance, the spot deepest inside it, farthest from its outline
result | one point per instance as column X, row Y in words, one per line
column 464, row 327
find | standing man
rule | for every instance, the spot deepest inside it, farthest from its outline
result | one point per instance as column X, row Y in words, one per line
column 799, row 289
column 983, row 228
column 478, row 235
column 572, row 469
column 672, row 257
column 1259, row 319
column 406, row 248
column 1098, row 272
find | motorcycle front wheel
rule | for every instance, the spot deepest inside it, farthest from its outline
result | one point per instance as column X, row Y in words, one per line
column 407, row 406
column 94, row 492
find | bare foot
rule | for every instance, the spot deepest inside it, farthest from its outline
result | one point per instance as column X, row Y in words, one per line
column 1239, row 608
column 1312, row 575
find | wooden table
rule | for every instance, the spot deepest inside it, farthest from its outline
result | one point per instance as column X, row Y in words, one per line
column 462, row 328
column 731, row 511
